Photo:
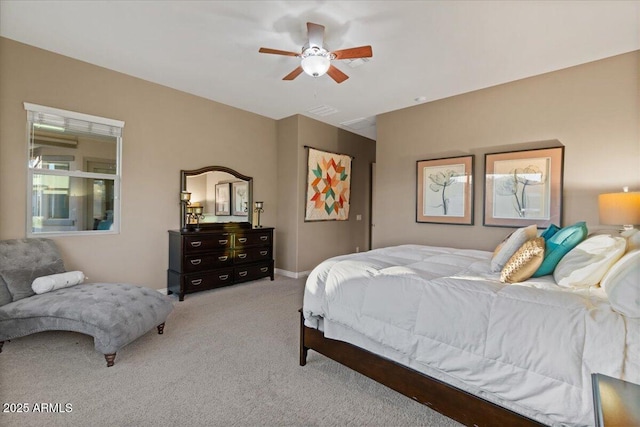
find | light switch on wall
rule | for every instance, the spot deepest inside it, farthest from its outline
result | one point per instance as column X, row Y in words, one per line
column 358, row 217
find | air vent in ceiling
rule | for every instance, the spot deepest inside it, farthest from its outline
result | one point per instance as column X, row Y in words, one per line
column 322, row 110
column 361, row 123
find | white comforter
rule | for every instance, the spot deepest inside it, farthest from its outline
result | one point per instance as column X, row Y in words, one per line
column 530, row 347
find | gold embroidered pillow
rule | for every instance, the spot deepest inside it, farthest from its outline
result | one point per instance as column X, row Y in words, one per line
column 524, row 262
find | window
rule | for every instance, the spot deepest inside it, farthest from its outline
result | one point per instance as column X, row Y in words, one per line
column 74, row 172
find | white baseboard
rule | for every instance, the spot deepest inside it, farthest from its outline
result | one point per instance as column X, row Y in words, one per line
column 291, row 274
column 162, row 291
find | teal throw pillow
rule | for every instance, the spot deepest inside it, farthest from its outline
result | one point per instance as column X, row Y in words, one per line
column 559, row 245
column 550, row 231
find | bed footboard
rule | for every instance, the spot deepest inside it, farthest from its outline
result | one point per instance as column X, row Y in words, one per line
column 437, row 395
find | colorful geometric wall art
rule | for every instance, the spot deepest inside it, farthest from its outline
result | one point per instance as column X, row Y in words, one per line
column 328, row 186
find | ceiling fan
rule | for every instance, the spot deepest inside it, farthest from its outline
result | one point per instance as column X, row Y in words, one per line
column 316, row 59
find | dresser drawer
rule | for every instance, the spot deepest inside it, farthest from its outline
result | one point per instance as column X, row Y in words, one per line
column 203, row 243
column 208, row 261
column 198, row 282
column 252, row 239
column 251, row 254
column 251, row 272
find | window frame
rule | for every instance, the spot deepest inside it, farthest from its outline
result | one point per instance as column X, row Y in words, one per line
column 116, row 178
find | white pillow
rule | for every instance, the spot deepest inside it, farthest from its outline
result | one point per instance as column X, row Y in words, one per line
column 510, row 245
column 622, row 284
column 586, row 264
column 633, row 239
column 57, row 281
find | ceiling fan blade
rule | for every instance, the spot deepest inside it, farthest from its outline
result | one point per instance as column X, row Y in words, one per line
column 336, row 74
column 316, row 34
column 277, row 52
column 354, row 52
column 292, row 75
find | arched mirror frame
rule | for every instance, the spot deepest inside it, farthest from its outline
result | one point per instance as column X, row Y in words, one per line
column 216, row 225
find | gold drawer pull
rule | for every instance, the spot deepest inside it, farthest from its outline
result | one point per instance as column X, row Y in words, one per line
column 223, row 258
column 264, row 238
column 242, row 273
column 196, row 282
column 223, row 242
column 242, row 256
column 264, row 269
column 195, row 244
column 242, row 239
column 223, row 276
column 263, row 253
column 196, row 261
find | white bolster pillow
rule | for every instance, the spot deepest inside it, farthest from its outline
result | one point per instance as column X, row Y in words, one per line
column 57, row 281
column 621, row 283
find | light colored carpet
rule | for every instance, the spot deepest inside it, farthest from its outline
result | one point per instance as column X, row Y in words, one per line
column 228, row 357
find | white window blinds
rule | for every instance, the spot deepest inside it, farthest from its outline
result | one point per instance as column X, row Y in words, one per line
column 63, row 120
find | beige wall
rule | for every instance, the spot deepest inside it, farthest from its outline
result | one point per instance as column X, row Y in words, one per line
column 165, row 131
column 592, row 109
column 302, row 245
column 289, row 207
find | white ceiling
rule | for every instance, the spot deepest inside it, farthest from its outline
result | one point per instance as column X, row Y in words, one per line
column 429, row 49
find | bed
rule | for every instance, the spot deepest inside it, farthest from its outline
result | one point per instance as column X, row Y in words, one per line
column 437, row 325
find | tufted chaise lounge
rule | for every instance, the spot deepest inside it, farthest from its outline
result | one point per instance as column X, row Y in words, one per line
column 114, row 314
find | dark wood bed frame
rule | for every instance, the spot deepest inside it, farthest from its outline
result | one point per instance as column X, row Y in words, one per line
column 437, row 395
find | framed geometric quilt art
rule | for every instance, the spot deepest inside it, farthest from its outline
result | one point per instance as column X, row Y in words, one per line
column 328, row 186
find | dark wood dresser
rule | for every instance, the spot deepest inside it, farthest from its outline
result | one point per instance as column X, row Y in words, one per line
column 208, row 259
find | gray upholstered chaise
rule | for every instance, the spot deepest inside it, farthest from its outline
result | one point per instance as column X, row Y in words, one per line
column 114, row 314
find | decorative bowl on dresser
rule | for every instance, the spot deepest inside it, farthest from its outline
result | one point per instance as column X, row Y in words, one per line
column 214, row 258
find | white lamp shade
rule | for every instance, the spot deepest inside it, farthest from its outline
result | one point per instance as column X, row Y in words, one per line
column 619, row 208
column 315, row 65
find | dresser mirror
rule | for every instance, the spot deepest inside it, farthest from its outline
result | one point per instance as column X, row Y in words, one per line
column 219, row 196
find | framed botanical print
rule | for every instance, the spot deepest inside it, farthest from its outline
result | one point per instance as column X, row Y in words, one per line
column 223, row 199
column 524, row 188
column 240, row 198
column 445, row 190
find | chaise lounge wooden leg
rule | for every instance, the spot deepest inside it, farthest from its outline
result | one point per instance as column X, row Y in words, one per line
column 110, row 358
column 1, row 344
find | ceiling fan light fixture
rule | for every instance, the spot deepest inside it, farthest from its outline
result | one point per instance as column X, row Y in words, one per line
column 316, row 57
column 315, row 65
